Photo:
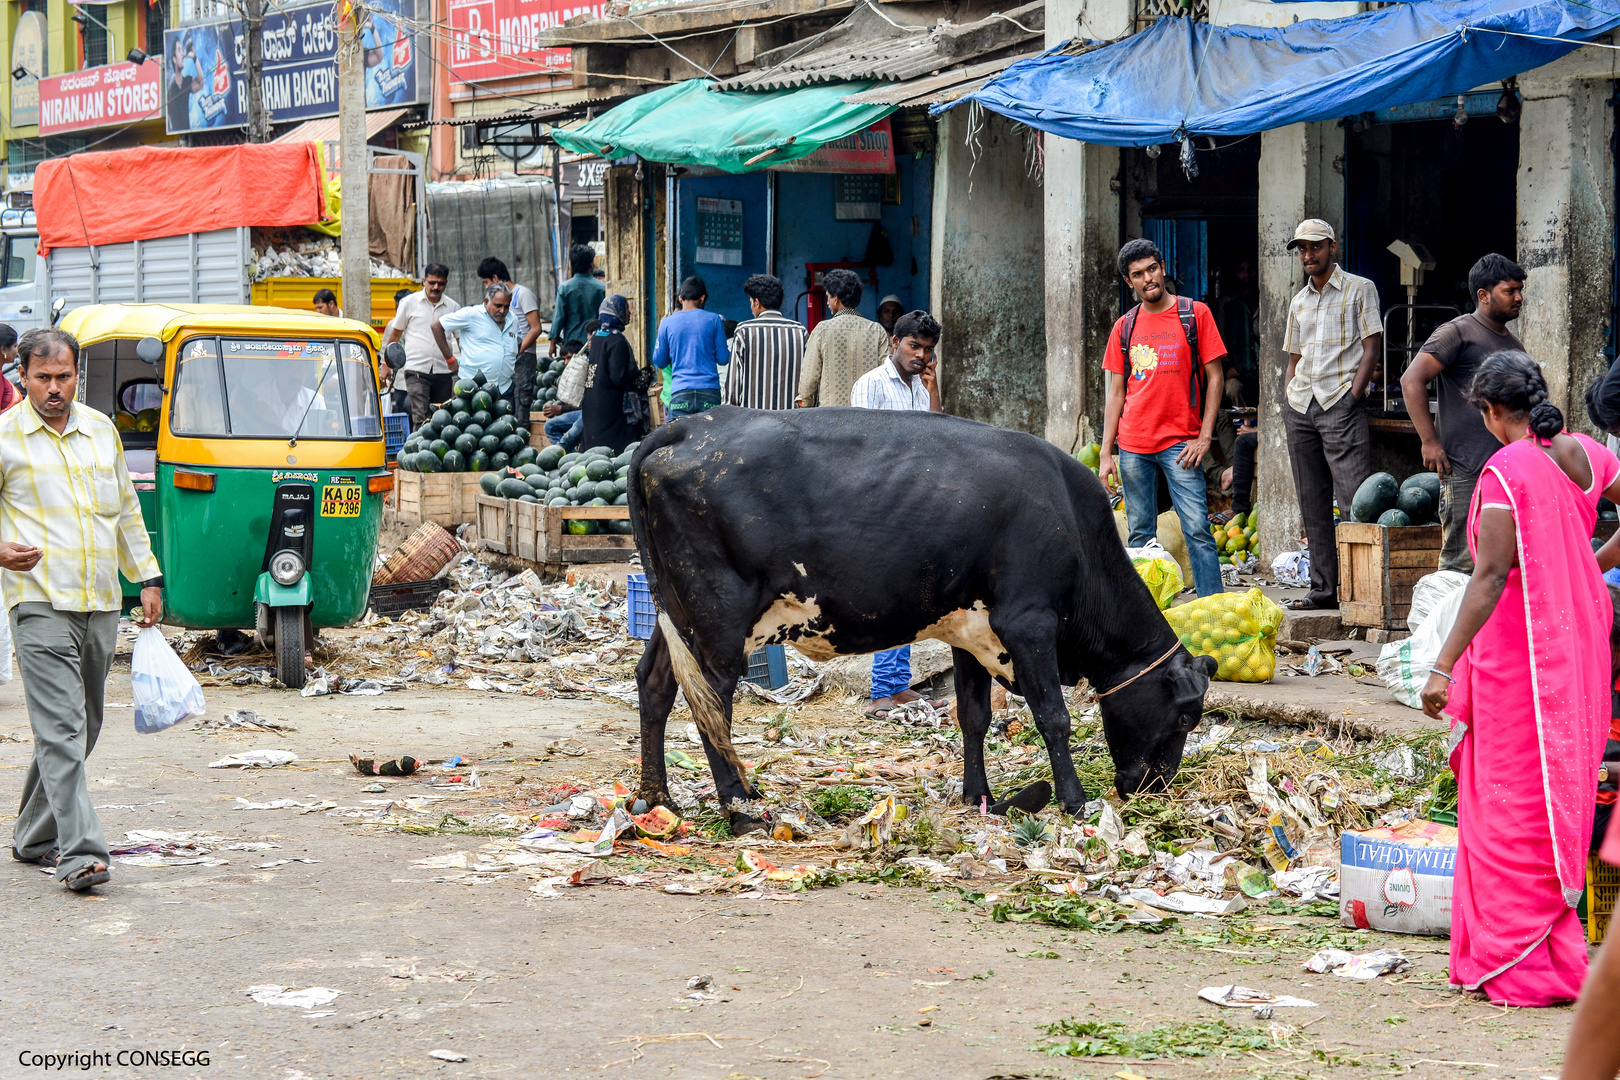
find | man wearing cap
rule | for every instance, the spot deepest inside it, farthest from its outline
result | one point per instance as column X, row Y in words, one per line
column 889, row 311
column 1333, row 340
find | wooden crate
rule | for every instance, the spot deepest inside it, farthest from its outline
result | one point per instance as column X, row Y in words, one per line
column 495, row 523
column 540, row 534
column 448, row 499
column 1378, row 567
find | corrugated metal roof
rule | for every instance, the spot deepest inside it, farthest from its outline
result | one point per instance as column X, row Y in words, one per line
column 870, row 47
column 934, row 89
column 326, row 128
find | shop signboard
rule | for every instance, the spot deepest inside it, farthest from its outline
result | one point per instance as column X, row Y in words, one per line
column 584, row 178
column 203, row 85
column 870, row 150
column 27, row 56
column 98, row 97
column 494, row 39
column 720, row 231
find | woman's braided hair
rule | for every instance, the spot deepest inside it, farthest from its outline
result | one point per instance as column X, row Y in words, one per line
column 1513, row 381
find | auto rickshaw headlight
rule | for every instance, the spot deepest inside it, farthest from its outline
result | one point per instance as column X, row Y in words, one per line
column 286, row 567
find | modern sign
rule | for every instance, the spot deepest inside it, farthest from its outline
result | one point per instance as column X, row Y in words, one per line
column 720, row 231
column 870, row 150
column 584, row 178
column 98, row 97
column 203, row 82
column 28, row 56
column 491, row 39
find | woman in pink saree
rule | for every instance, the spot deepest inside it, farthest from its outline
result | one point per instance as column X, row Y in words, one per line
column 1524, row 677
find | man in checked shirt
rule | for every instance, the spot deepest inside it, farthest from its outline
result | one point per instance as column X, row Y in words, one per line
column 69, row 522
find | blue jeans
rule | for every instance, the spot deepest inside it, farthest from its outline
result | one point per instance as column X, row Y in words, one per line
column 1139, row 479
column 565, row 429
column 891, row 672
column 690, row 402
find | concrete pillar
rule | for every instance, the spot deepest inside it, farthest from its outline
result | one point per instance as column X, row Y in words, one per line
column 1301, row 176
column 1566, row 232
column 1082, row 240
column 985, row 274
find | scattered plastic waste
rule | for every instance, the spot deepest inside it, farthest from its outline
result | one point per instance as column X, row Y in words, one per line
column 1359, row 965
column 1242, row 997
column 255, row 759
column 309, row 998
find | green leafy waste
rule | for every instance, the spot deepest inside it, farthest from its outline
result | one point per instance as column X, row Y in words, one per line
column 1104, row 1038
column 1075, row 913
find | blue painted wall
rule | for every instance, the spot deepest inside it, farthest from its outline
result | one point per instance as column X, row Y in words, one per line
column 807, row 232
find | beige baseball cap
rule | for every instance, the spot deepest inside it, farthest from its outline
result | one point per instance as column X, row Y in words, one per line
column 1311, row 229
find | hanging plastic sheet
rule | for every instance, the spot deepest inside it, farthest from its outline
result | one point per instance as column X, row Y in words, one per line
column 1181, row 78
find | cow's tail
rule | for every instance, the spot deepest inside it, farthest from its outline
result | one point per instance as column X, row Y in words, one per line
column 706, row 710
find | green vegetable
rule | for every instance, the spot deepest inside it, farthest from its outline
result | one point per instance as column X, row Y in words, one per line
column 1376, row 494
column 1416, row 503
column 1394, row 519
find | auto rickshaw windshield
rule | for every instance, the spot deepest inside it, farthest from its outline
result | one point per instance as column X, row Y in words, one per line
column 258, row 388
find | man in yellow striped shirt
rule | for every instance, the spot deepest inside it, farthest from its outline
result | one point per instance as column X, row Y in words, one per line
column 69, row 522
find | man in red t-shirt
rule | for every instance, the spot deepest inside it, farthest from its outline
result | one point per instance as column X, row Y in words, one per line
column 1162, row 410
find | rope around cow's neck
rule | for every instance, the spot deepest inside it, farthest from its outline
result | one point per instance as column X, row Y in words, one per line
column 1143, row 672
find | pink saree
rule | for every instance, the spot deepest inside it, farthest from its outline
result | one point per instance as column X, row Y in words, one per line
column 1530, row 713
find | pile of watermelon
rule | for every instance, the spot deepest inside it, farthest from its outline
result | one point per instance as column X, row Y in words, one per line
column 545, row 380
column 594, row 477
column 1414, row 501
column 473, row 432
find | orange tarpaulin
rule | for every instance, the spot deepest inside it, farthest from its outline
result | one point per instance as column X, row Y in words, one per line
column 148, row 191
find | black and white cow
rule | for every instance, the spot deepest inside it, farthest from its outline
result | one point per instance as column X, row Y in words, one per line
column 847, row 531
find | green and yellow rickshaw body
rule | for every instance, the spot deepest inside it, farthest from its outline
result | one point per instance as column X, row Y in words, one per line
column 248, row 412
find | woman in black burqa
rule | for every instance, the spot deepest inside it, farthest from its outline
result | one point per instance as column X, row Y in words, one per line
column 612, row 371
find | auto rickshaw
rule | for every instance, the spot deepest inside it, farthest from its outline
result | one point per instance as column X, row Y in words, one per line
column 255, row 441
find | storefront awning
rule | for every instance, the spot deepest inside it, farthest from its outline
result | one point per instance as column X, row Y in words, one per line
column 326, row 128
column 1181, row 78
column 687, row 124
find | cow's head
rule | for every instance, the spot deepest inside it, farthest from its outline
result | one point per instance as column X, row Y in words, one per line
column 1147, row 722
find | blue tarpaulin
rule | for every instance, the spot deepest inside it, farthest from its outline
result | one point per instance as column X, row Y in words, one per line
column 1181, row 78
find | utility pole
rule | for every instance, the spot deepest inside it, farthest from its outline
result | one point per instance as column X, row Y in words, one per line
column 258, row 117
column 356, row 232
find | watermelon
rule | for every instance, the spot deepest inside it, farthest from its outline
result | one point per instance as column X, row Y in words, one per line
column 466, row 388
column 598, row 501
column 526, row 455
column 1429, row 481
column 489, row 444
column 621, row 499
column 438, row 448
column 456, row 405
column 513, row 488
column 498, row 461
column 576, row 474
column 407, row 461
column 455, row 461
column 514, row 444
column 450, row 433
column 1376, row 494
column 501, row 407
column 531, row 497
column 479, row 462
column 581, row 527
column 440, row 418
column 585, row 492
column 1416, row 503
column 549, row 458
column 478, row 379
column 1394, row 519
column 618, row 526
column 475, row 430
column 482, row 401
column 599, row 470
column 461, row 418
column 659, row 823
column 466, row 446
column 557, row 500
column 428, row 461
column 525, row 470
column 489, row 482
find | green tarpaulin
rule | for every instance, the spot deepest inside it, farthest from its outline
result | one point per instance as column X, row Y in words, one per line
column 687, row 124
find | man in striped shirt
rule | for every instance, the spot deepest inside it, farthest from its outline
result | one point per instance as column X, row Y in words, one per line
column 69, row 523
column 766, row 350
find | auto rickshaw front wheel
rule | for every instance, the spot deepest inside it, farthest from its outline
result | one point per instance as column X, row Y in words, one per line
column 286, row 632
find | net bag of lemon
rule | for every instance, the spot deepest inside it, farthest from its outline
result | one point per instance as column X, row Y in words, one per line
column 1158, row 570
column 1238, row 629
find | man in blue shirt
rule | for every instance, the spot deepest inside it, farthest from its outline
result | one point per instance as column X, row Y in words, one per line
column 490, row 336
column 691, row 347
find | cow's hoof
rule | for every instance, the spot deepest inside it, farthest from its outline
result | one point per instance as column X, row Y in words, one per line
column 1030, row 800
column 742, row 824
column 660, row 797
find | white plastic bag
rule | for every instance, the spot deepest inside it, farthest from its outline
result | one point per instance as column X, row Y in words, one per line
column 1158, row 570
column 165, row 692
column 1404, row 665
column 1292, row 568
column 5, row 648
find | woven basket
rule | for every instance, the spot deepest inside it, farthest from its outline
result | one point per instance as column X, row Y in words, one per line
column 423, row 554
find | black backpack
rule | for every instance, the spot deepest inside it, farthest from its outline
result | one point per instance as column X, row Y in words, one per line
column 1189, row 329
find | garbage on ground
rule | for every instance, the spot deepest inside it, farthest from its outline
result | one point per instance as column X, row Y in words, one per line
column 312, row 997
column 405, row 766
column 1293, row 569
column 1242, row 997
column 242, row 720
column 1359, row 965
column 1398, row 879
column 1238, row 629
column 1405, row 665
column 255, row 759
column 446, row 1055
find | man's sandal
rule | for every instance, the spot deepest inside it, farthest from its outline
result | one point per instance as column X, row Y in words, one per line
column 50, row 858
column 87, row 876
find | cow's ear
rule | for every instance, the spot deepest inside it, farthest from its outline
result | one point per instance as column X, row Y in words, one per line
column 1192, row 680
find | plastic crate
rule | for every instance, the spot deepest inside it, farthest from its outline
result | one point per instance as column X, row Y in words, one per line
column 399, row 596
column 1602, row 883
column 768, row 667
column 638, row 607
column 396, row 428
